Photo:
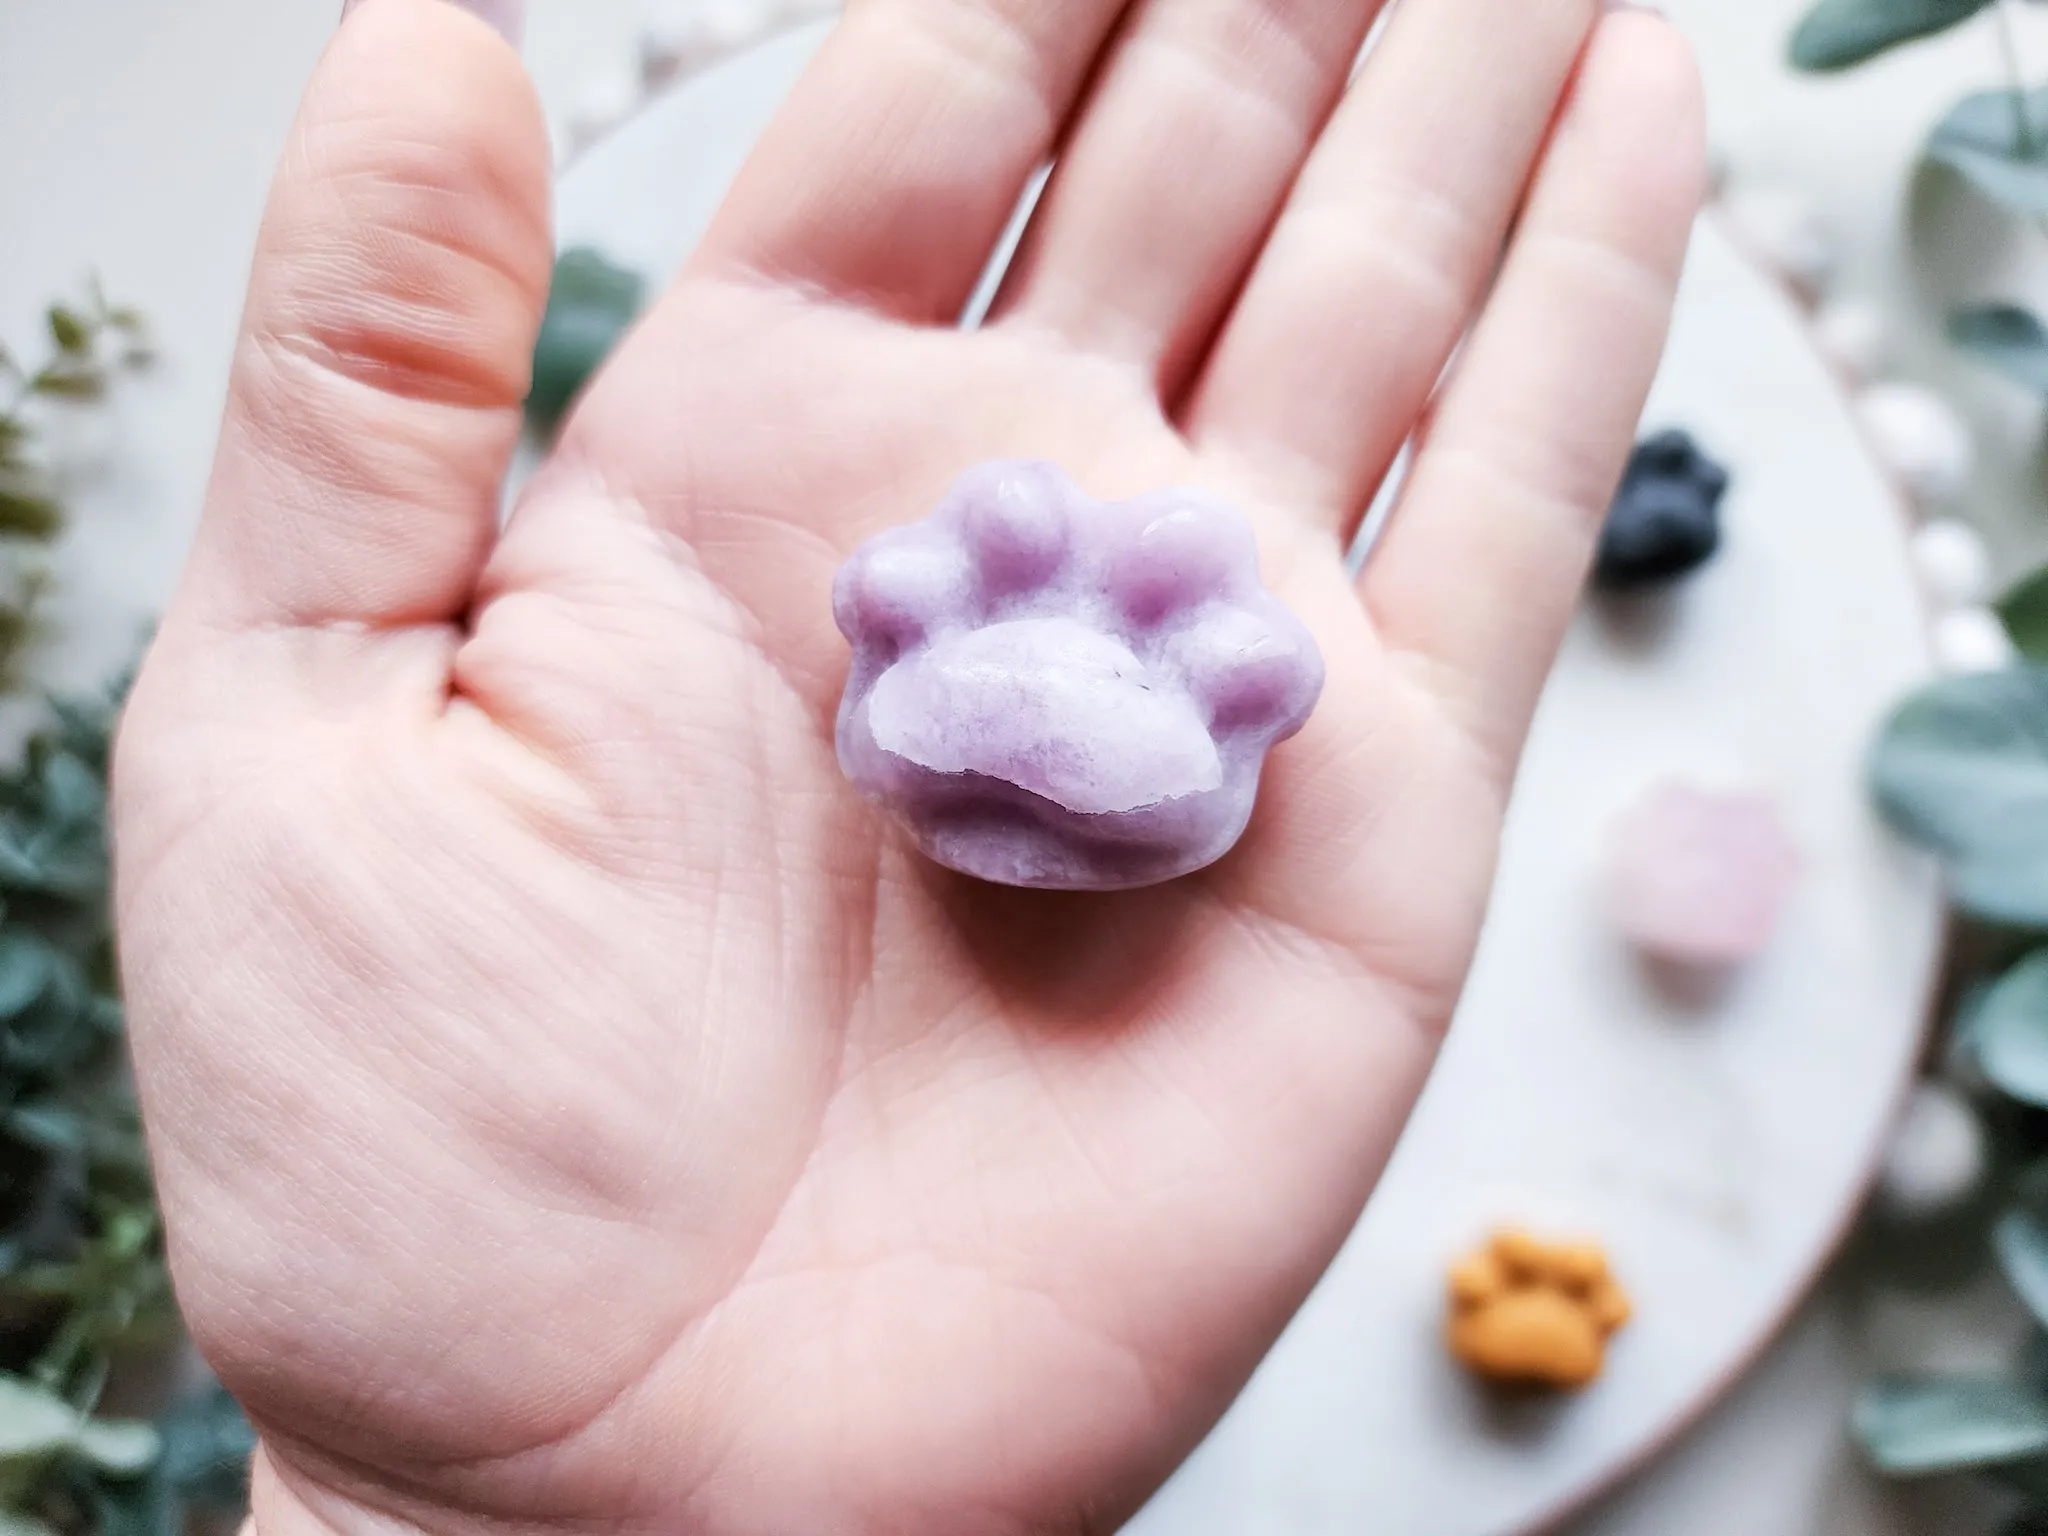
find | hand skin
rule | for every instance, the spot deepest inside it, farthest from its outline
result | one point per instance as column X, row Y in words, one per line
column 573, row 1108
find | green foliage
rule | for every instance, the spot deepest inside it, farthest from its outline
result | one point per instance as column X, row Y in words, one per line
column 82, row 1277
column 1962, row 767
column 2027, row 1476
column 39, row 1430
column 202, row 1463
column 2020, row 1240
column 2005, row 337
column 1837, row 34
column 2024, row 608
column 2008, row 1033
column 119, row 1477
column 206, row 1448
column 1913, row 1425
column 91, row 343
column 1994, row 140
column 591, row 304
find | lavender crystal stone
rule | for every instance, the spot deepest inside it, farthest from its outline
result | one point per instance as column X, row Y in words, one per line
column 1053, row 691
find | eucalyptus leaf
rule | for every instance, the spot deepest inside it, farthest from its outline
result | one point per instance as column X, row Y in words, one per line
column 591, row 304
column 17, row 869
column 2020, row 1240
column 26, row 963
column 28, row 514
column 1962, row 768
column 72, row 792
column 105, row 1015
column 134, row 1506
column 85, row 727
column 33, row 1423
column 202, row 1464
column 53, row 1127
column 2007, row 886
column 69, row 383
column 2005, row 337
column 2004, row 154
column 69, row 330
column 1836, row 34
column 2009, row 1032
column 64, row 855
column 15, row 1523
column 1915, row 1425
column 2024, row 608
column 58, row 1031
column 207, row 1444
column 124, row 1447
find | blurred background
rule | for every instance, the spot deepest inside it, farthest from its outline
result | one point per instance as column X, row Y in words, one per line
column 139, row 137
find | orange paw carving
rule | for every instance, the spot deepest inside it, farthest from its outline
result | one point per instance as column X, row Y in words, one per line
column 1533, row 1313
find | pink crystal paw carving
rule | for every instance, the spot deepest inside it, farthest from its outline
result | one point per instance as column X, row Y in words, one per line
column 1699, row 877
column 1053, row 691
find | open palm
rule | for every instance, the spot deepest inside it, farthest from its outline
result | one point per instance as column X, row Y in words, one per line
column 572, row 1103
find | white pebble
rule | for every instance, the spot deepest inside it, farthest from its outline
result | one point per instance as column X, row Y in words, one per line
column 1971, row 640
column 1779, row 228
column 1952, row 563
column 732, row 24
column 1851, row 333
column 605, row 101
column 1918, row 436
column 1936, row 1159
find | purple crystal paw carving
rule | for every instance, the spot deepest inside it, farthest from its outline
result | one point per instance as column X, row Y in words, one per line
column 1053, row 691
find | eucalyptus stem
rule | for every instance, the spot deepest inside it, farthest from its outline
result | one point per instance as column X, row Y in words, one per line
column 2015, row 81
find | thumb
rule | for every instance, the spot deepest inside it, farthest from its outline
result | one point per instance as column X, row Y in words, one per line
column 401, row 272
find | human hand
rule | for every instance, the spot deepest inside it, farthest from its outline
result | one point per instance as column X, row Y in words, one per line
column 572, row 1105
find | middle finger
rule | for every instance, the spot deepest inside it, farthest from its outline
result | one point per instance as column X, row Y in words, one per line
column 1385, row 249
column 1201, row 116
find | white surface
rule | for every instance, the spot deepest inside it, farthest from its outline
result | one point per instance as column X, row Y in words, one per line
column 141, row 135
